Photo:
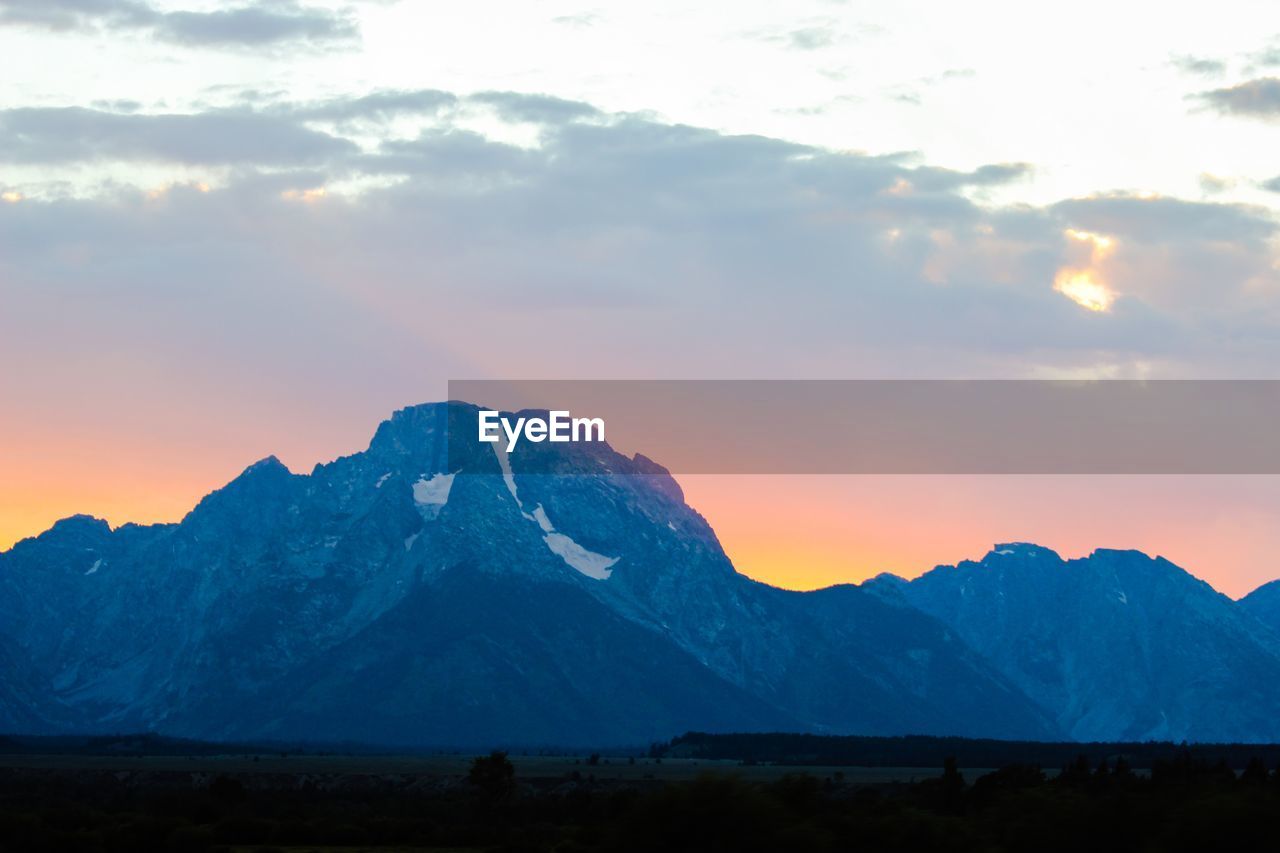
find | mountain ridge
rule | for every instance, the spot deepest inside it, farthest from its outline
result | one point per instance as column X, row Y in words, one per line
column 375, row 595
column 1118, row 645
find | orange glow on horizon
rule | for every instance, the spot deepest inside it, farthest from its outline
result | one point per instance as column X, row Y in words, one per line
column 806, row 532
column 798, row 532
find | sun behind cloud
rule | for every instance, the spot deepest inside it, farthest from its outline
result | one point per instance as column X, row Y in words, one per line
column 1084, row 283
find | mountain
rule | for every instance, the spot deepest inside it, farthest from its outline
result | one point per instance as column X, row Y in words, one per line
column 1263, row 604
column 1116, row 646
column 563, row 594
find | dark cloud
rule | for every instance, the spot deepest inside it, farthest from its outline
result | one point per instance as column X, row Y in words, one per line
column 258, row 24
column 1258, row 98
column 1272, row 185
column 232, row 137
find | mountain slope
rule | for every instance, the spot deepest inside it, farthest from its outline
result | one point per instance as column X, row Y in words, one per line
column 1116, row 645
column 1263, row 604
column 402, row 596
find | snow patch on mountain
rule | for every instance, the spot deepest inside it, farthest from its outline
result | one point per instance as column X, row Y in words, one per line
column 434, row 490
column 432, row 493
column 508, row 476
column 589, row 563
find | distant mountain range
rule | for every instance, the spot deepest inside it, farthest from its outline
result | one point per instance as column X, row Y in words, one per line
column 387, row 599
column 1115, row 646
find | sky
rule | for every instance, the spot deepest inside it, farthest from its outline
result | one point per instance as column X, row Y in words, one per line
column 240, row 229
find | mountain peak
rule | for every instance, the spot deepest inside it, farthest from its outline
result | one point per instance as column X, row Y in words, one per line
column 81, row 522
column 74, row 531
column 1024, row 550
column 887, row 585
column 266, row 464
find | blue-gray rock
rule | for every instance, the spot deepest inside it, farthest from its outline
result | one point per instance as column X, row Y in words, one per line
column 398, row 597
column 1115, row 646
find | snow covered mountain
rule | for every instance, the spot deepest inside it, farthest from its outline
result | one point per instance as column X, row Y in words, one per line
column 392, row 597
column 1115, row 646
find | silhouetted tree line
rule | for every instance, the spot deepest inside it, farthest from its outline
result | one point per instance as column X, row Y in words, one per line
column 923, row 750
column 1185, row 802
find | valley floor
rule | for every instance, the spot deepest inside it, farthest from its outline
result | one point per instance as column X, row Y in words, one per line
column 275, row 770
column 273, row 802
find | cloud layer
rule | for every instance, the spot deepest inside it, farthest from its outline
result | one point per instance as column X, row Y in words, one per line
column 420, row 216
column 256, row 24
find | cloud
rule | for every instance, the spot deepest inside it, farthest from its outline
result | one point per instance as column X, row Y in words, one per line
column 612, row 233
column 51, row 135
column 935, row 180
column 537, row 109
column 1200, row 66
column 910, row 92
column 1272, row 185
column 63, row 14
column 1166, row 220
column 1268, row 57
column 258, row 24
column 818, row 35
column 1258, row 98
column 377, row 106
column 1212, row 184
column 1212, row 265
column 452, row 155
column 811, row 38
column 582, row 20
column 274, row 134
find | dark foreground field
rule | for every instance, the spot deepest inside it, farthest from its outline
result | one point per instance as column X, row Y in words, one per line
column 261, row 802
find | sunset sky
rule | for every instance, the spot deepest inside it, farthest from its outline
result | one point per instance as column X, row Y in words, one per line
column 232, row 230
